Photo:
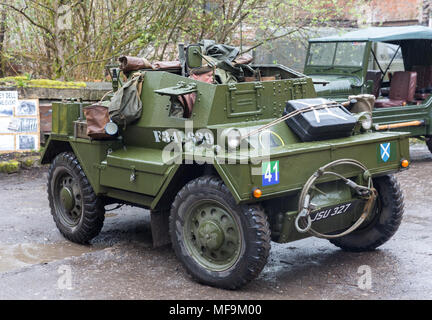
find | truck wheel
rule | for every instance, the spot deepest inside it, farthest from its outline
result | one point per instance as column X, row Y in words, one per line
column 428, row 140
column 219, row 242
column 77, row 211
column 384, row 222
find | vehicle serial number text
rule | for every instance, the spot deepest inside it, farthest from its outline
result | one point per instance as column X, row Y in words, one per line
column 326, row 213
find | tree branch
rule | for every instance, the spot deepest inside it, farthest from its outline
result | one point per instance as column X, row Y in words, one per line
column 29, row 19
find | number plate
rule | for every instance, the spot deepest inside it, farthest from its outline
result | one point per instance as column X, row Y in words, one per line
column 334, row 211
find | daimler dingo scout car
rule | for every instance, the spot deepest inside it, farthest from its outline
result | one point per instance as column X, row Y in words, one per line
column 279, row 165
column 364, row 62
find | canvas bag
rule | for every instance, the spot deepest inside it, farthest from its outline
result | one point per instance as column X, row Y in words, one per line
column 126, row 107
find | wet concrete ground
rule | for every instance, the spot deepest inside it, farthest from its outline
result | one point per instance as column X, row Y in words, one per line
column 36, row 262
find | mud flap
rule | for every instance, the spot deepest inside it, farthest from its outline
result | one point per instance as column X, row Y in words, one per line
column 159, row 222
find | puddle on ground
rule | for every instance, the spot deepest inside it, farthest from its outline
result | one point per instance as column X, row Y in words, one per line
column 110, row 215
column 15, row 256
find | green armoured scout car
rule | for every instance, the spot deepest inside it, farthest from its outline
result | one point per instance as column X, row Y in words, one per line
column 254, row 157
column 393, row 64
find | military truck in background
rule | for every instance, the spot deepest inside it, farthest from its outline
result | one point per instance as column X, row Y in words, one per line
column 254, row 157
column 358, row 63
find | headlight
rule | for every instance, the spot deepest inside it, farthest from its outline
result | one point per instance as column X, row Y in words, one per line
column 365, row 119
column 111, row 128
column 232, row 138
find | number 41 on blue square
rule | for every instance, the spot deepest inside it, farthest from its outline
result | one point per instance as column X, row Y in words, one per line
column 270, row 173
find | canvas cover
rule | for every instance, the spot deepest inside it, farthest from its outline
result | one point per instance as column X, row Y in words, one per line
column 382, row 34
column 126, row 107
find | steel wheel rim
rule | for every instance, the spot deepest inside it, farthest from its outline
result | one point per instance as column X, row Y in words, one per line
column 212, row 235
column 68, row 199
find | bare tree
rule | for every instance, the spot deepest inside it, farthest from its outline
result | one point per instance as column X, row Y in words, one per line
column 98, row 31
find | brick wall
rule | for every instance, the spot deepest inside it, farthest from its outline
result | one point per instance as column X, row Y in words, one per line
column 391, row 12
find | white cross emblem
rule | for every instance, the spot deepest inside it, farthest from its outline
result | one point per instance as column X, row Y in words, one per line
column 385, row 151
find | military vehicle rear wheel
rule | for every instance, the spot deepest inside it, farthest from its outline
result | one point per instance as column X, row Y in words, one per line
column 384, row 222
column 77, row 211
column 219, row 242
column 428, row 140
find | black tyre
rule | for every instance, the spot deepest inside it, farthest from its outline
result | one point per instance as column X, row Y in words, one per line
column 428, row 140
column 384, row 222
column 219, row 242
column 77, row 211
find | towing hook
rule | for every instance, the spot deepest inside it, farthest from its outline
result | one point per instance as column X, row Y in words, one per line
column 303, row 214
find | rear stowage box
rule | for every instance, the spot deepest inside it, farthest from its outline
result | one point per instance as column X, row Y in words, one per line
column 331, row 122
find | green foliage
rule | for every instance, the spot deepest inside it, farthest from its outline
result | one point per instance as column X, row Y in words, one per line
column 26, row 81
column 11, row 166
column 99, row 31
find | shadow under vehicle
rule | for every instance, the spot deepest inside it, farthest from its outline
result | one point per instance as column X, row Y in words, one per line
column 234, row 173
column 392, row 63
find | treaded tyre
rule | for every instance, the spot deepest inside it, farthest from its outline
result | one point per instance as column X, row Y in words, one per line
column 428, row 140
column 78, row 213
column 385, row 222
column 219, row 242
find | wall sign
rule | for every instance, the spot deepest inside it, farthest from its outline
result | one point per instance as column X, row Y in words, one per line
column 19, row 123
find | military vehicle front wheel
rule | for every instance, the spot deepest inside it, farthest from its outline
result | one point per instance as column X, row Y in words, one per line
column 219, row 242
column 77, row 211
column 384, row 222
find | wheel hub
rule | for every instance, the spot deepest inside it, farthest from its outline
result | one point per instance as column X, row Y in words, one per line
column 211, row 235
column 67, row 198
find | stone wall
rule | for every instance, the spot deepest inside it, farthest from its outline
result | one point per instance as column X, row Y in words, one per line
column 92, row 93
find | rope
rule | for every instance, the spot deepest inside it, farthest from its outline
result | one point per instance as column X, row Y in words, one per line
column 104, row 96
column 305, row 207
column 290, row 115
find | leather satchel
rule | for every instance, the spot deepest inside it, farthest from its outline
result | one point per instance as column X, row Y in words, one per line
column 97, row 116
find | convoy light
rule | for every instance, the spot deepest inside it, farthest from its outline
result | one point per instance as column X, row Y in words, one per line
column 257, row 193
column 404, row 163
